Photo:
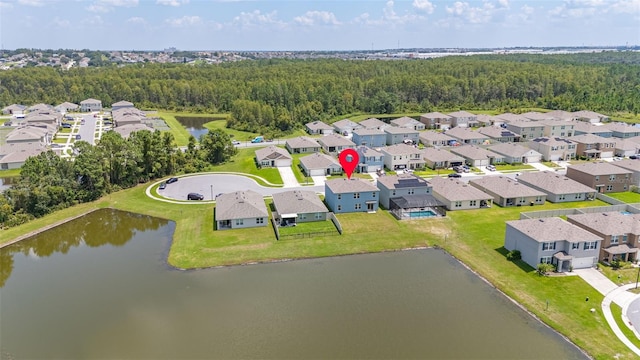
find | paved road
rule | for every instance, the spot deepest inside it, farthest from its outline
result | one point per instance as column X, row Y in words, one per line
column 88, row 130
column 209, row 185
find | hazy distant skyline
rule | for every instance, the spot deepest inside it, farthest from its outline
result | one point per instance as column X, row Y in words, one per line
column 315, row 25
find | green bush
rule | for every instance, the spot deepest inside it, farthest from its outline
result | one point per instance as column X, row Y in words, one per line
column 544, row 269
column 514, row 255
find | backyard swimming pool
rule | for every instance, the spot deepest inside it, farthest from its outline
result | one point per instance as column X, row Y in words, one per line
column 422, row 213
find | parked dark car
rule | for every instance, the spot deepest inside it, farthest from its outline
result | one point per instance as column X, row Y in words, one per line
column 163, row 186
column 171, row 180
column 195, row 196
column 78, row 137
column 454, row 175
column 66, row 125
column 633, row 157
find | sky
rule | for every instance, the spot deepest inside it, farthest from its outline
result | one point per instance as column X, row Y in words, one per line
column 280, row 25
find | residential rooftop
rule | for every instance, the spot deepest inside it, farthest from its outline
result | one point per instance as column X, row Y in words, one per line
column 552, row 229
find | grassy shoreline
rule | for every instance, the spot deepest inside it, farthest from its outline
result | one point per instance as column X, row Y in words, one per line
column 473, row 237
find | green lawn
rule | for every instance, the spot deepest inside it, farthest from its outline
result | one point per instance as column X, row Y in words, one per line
column 515, row 167
column 297, row 171
column 305, row 228
column 180, row 133
column 628, row 197
column 616, row 311
column 550, row 164
column 60, row 140
column 10, row 173
column 244, row 162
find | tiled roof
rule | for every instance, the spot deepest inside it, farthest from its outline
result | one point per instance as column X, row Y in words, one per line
column 552, row 229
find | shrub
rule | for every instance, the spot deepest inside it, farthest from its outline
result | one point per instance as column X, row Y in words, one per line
column 544, row 269
column 514, row 255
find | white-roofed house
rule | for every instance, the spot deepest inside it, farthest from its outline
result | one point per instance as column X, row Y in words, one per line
column 240, row 209
column 89, row 105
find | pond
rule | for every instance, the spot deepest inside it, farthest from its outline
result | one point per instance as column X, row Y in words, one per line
column 99, row 287
column 195, row 124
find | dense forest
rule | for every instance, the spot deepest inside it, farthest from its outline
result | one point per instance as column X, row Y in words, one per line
column 280, row 95
column 48, row 182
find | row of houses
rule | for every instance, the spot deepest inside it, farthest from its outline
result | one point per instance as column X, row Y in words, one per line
column 87, row 105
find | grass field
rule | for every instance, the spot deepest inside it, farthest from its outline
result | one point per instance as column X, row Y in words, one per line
column 515, row 167
column 244, row 162
column 628, row 197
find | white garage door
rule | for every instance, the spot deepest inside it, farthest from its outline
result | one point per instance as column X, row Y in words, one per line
column 317, row 172
column 582, row 263
column 283, row 163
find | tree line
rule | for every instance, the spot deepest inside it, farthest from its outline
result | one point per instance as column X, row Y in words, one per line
column 48, row 183
column 281, row 95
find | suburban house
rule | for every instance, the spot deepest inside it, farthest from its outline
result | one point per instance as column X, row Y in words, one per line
column 397, row 135
column 41, row 107
column 370, row 160
column 14, row 155
column 408, row 196
column 537, row 116
column 369, row 137
column 240, row 209
column 436, row 120
column 553, row 241
column 44, row 118
column 476, row 156
column 558, row 188
column 67, row 107
column 590, row 116
column 527, row 129
column 31, row 135
column 373, row 123
column 594, row 147
column 440, row 158
column 121, row 119
column 622, row 130
column 408, row 123
column 581, row 128
column 14, row 109
column 467, row 136
column 335, row 143
column 602, row 176
column 510, row 117
column 90, row 105
column 509, row 192
column 298, row 206
column 516, row 153
column 626, row 147
column 463, row 119
column 561, row 128
column 320, row 164
column 619, row 233
column 554, row 148
column 351, row 195
column 126, row 130
column 499, row 134
column 318, row 128
column 458, row 195
column 434, row 138
column 302, row 145
column 488, row 120
column 633, row 166
column 121, row 105
column 402, row 156
column 272, row 156
column 560, row 115
column 345, row 126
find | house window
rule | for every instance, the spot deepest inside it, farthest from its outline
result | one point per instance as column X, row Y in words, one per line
column 561, row 197
column 575, row 246
column 302, row 216
column 356, row 195
column 597, row 177
column 339, row 196
column 546, row 259
column 393, row 192
column 318, row 216
column 357, row 206
column 609, row 187
column 339, row 207
column 259, row 220
column 624, row 238
column 239, row 222
column 538, row 198
column 458, row 204
column 472, row 203
column 612, row 177
column 578, row 196
column 591, row 245
column 614, row 239
column 548, row 246
column 410, row 191
column 373, row 194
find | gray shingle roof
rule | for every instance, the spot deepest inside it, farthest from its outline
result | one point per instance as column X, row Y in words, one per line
column 344, row 123
column 505, row 187
column 298, row 201
column 271, row 153
column 551, row 141
column 465, row 134
column 335, row 140
column 461, row 113
column 592, row 139
column 240, row 205
column 454, row 190
column 400, row 149
column 552, row 229
column 629, row 164
column 438, row 155
column 318, row 125
column 435, row 115
column 122, row 103
column 90, row 101
column 513, row 150
column 404, row 121
column 609, row 223
column 474, row 152
column 373, row 123
column 599, row 168
column 497, row 132
column 399, row 130
column 302, row 142
column 341, row 186
column 428, row 136
column 590, row 128
column 368, row 131
column 318, row 161
column 621, row 127
column 403, row 181
column 553, row 183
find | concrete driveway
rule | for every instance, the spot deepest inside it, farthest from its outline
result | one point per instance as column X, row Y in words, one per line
column 288, row 177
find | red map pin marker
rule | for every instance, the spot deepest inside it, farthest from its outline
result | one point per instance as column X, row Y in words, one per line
column 349, row 159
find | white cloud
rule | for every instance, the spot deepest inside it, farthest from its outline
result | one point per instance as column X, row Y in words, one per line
column 256, row 18
column 184, row 21
column 98, row 8
column 504, row 3
column 317, row 18
column 424, row 6
column 172, row 2
column 5, row 5
column 471, row 14
column 119, row 3
column 93, row 20
column 63, row 23
column 626, row 6
column 136, row 20
column 31, row 2
column 579, row 8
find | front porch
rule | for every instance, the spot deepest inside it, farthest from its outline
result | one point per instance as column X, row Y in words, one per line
column 620, row 252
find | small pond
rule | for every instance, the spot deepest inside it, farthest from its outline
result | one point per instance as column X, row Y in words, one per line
column 195, row 124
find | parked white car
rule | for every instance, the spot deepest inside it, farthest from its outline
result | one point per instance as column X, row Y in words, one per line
column 491, row 168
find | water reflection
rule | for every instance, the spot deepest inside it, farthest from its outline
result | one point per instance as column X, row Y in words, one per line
column 195, row 124
column 101, row 227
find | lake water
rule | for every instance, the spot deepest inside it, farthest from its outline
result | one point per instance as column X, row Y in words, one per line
column 99, row 287
column 195, row 124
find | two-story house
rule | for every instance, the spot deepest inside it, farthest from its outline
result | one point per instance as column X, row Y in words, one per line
column 351, row 195
column 398, row 135
column 554, row 148
column 402, row 156
column 373, row 123
column 334, row 143
column 602, row 176
column 527, row 129
column 408, row 196
column 436, row 120
column 558, row 128
column 89, row 105
column 619, row 233
column 369, row 137
column 581, row 128
column 370, row 160
column 463, row 119
column 594, row 147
